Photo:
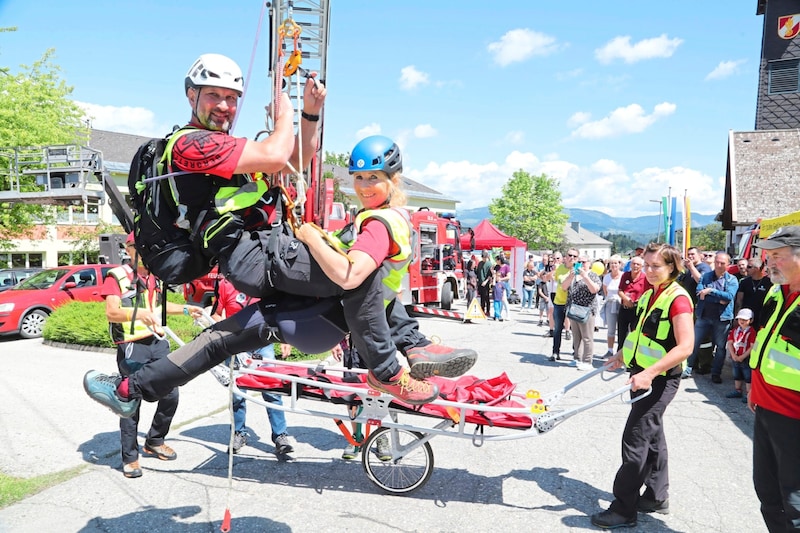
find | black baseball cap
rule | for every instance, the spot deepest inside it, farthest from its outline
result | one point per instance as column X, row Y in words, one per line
column 785, row 236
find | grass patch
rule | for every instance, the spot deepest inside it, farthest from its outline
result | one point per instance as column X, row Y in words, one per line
column 14, row 489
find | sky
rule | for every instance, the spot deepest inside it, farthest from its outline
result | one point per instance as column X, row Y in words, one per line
column 622, row 102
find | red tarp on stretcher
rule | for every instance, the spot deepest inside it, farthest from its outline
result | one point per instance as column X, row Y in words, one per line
column 466, row 389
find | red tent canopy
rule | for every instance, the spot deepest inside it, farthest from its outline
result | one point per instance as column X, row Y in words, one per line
column 487, row 236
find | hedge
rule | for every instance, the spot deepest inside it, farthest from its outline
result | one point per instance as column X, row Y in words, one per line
column 85, row 324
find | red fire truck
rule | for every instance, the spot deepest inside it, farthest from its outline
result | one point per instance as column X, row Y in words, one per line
column 436, row 274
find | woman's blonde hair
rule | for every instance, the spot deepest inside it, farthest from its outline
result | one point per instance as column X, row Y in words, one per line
column 397, row 196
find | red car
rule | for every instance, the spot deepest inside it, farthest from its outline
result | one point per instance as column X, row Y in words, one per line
column 25, row 307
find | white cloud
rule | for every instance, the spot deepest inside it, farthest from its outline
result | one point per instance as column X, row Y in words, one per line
column 424, row 131
column 623, row 120
column 133, row 120
column 581, row 117
column 369, row 129
column 411, row 78
column 514, row 137
column 725, row 69
column 604, row 185
column 621, row 48
column 520, row 44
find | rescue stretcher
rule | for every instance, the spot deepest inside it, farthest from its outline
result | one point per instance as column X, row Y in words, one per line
column 409, row 429
column 481, row 410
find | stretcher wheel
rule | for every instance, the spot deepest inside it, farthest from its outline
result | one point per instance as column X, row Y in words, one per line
column 410, row 466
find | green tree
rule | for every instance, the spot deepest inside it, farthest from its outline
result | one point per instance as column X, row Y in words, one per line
column 709, row 237
column 342, row 161
column 621, row 244
column 530, row 209
column 34, row 111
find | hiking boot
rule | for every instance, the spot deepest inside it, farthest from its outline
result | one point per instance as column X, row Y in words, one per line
column 382, row 448
column 132, row 469
column 405, row 388
column 163, row 452
column 282, row 446
column 646, row 505
column 611, row 520
column 239, row 441
column 687, row 372
column 102, row 388
column 440, row 360
column 350, row 452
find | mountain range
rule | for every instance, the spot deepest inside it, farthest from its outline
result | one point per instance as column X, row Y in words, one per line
column 644, row 227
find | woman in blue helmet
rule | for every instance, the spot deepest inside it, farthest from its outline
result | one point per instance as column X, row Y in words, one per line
column 372, row 271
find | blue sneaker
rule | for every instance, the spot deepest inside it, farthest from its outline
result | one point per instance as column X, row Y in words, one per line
column 102, row 388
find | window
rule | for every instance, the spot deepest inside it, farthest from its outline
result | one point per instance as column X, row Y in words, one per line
column 783, row 76
column 23, row 260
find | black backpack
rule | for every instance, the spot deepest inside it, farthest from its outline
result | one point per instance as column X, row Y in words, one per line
column 166, row 250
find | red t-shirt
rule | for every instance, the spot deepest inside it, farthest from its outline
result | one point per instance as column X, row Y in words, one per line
column 634, row 288
column 230, row 301
column 374, row 241
column 779, row 400
column 742, row 339
column 210, row 152
column 680, row 305
column 111, row 287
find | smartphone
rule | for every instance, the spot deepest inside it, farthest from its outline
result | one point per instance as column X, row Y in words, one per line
column 578, row 266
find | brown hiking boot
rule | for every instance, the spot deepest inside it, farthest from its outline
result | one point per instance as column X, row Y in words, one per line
column 163, row 452
column 132, row 469
column 405, row 388
column 440, row 360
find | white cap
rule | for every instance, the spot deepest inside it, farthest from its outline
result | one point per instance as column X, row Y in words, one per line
column 745, row 313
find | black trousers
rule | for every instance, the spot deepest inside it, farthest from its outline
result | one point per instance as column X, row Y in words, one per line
column 626, row 321
column 644, row 449
column 131, row 355
column 312, row 328
column 776, row 469
column 486, row 301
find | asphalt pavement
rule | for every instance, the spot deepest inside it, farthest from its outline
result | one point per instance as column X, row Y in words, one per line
column 549, row 482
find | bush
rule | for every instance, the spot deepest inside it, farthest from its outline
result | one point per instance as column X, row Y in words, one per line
column 85, row 323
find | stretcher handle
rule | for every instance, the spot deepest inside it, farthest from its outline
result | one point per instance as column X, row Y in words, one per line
column 633, row 400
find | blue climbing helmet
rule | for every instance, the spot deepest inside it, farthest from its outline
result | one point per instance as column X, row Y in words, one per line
column 376, row 153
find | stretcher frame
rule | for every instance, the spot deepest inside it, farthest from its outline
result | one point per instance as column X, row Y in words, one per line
column 412, row 460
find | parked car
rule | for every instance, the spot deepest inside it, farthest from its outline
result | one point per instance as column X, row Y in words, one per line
column 201, row 290
column 24, row 308
column 11, row 276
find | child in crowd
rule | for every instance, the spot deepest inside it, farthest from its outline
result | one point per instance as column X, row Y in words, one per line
column 498, row 293
column 740, row 343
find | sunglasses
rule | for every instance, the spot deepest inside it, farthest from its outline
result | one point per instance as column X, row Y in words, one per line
column 571, row 255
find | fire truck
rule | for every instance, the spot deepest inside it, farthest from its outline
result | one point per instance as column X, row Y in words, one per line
column 436, row 273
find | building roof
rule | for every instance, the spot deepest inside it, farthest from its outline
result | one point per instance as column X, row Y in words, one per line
column 118, row 148
column 762, row 174
column 575, row 235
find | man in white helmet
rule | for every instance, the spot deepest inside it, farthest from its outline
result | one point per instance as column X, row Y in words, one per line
column 214, row 85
